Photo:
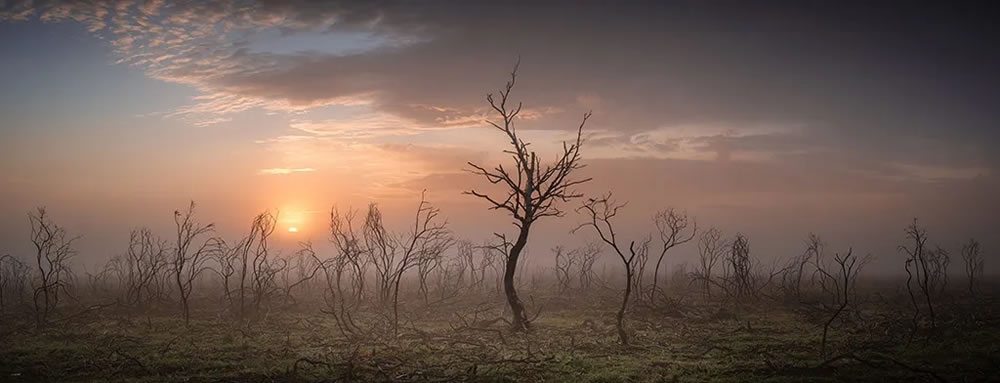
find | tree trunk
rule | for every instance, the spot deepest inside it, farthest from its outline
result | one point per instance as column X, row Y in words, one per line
column 656, row 275
column 520, row 320
column 620, row 323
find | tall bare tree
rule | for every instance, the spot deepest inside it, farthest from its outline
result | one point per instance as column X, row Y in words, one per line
column 600, row 212
column 589, row 254
column 352, row 249
column 740, row 267
column 711, row 249
column 189, row 262
column 264, row 267
column 974, row 263
column 674, row 229
column 839, row 279
column 532, row 189
column 250, row 258
column 383, row 250
column 395, row 254
column 53, row 250
column 926, row 268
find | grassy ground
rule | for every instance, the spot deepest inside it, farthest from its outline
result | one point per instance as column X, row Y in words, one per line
column 573, row 340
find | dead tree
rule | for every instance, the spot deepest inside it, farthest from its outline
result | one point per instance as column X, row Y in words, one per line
column 189, row 258
column 797, row 270
column 305, row 268
column 974, row 264
column 925, row 270
column 425, row 266
column 13, row 281
column 393, row 255
column 491, row 262
column 428, row 239
column 564, row 266
column 673, row 229
column 600, row 213
column 227, row 256
column 589, row 255
column 576, row 264
column 264, row 268
column 532, row 190
column 53, row 250
column 740, row 267
column 839, row 280
column 939, row 259
column 467, row 256
column 351, row 249
column 711, row 249
column 250, row 261
column 333, row 295
column 144, row 260
column 382, row 249
column 639, row 267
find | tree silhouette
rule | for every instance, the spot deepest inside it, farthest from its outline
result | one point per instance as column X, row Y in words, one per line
column 532, row 189
column 600, row 213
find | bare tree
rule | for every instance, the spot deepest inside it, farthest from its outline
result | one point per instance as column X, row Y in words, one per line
column 589, row 255
column 812, row 255
column 264, row 268
column 600, row 212
column 711, row 249
column 674, row 229
column 333, row 295
column 250, row 260
column 564, row 267
column 425, row 266
column 305, row 268
column 925, row 268
column 354, row 252
column 642, row 252
column 639, row 267
column 740, row 266
column 13, row 280
column 383, row 250
column 393, row 255
column 939, row 259
column 144, row 260
column 839, row 280
column 53, row 250
column 491, row 256
column 189, row 262
column 467, row 256
column 974, row 264
column 227, row 257
column 531, row 188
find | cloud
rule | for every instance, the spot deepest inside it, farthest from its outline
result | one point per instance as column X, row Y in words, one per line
column 283, row 171
column 867, row 94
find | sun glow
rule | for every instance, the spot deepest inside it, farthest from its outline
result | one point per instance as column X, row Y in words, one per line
column 293, row 230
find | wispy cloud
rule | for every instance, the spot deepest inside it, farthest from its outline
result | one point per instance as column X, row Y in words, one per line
column 427, row 66
column 283, row 171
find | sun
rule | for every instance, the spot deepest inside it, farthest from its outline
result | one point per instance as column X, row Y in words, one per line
column 293, row 230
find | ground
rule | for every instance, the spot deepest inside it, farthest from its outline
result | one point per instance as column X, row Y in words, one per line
column 684, row 338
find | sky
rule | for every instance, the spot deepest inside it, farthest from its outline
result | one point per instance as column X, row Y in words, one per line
column 774, row 119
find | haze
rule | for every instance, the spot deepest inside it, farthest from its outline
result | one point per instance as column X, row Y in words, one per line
column 774, row 121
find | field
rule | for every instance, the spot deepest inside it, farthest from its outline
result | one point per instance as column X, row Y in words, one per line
column 682, row 336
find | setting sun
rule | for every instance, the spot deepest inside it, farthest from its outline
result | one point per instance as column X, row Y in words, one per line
column 293, row 230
